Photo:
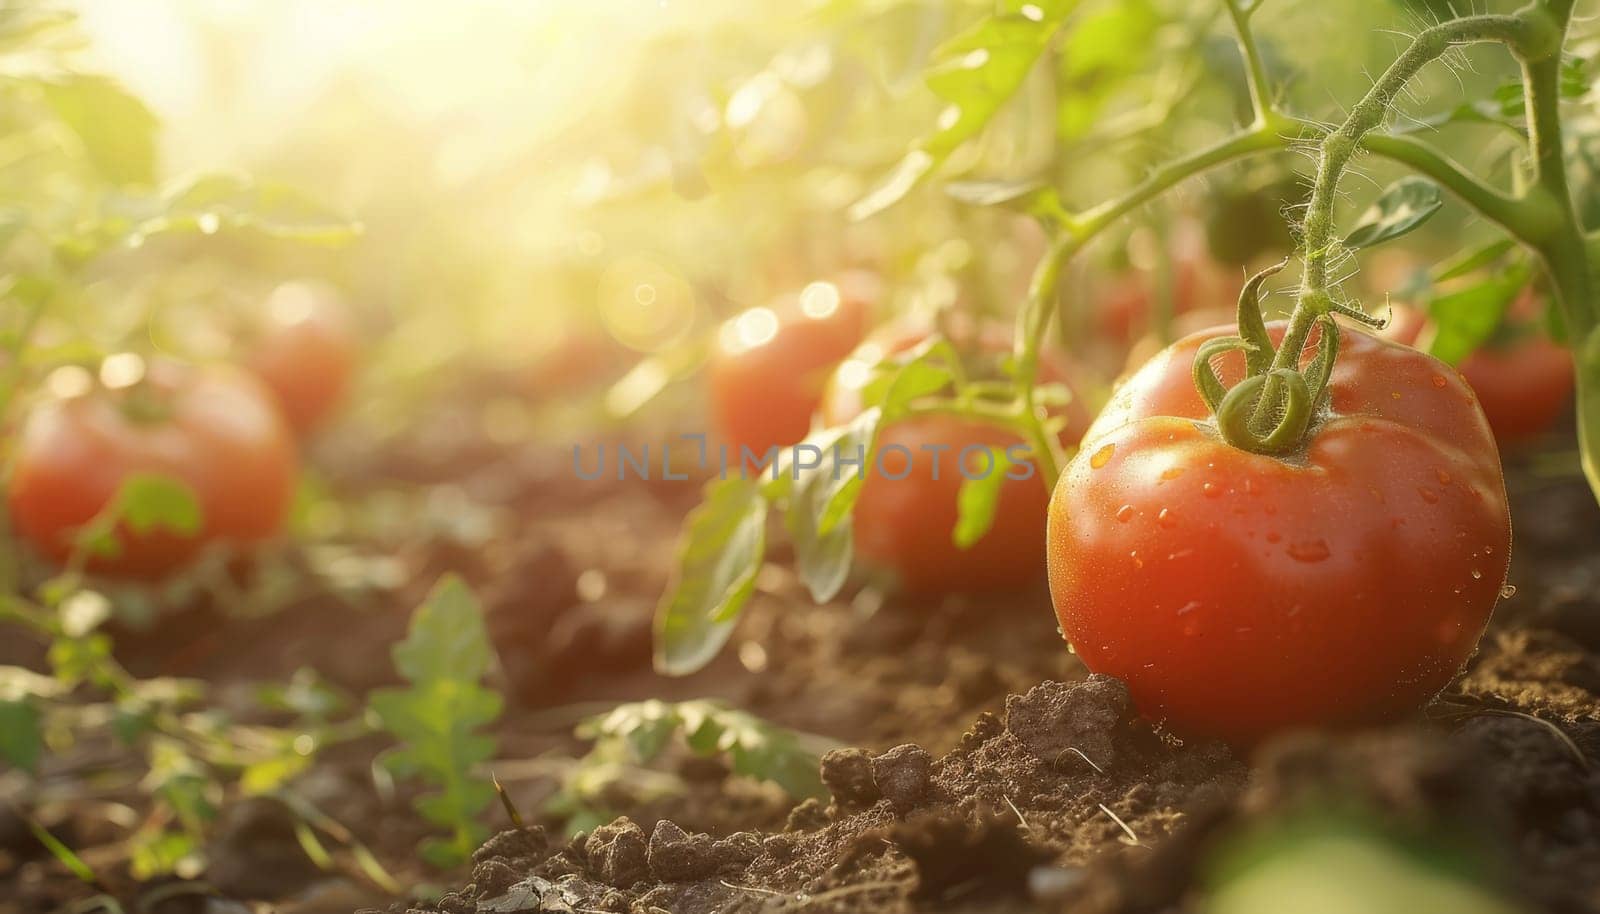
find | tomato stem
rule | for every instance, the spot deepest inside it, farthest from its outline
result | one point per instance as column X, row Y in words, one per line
column 1544, row 221
column 1282, row 387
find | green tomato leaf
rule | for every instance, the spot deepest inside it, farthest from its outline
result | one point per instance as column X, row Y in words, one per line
column 724, row 541
column 827, row 492
column 1034, row 196
column 1403, row 206
column 437, row 716
column 979, row 499
column 645, row 727
column 117, row 132
column 1466, row 319
column 21, row 734
column 975, row 74
column 149, row 502
column 1473, row 260
column 757, row 748
column 995, row 193
column 447, row 639
column 145, row 503
column 900, row 380
column 218, row 202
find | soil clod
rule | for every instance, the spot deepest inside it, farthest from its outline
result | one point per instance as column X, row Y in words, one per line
column 902, row 774
column 848, row 775
column 1074, row 724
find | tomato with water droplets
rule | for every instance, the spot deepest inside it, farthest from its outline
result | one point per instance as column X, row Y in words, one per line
column 1246, row 594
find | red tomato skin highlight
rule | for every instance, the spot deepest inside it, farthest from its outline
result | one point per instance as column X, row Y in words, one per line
column 765, row 396
column 1239, row 595
column 905, row 525
column 225, row 439
column 306, row 357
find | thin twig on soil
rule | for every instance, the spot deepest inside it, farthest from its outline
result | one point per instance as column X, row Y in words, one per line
column 1561, row 735
column 1020, row 818
column 1079, row 753
column 1133, row 838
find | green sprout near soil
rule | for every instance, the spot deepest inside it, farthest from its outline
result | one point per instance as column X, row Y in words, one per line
column 438, row 716
column 635, row 734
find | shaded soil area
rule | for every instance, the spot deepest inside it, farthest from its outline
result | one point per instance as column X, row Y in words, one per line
column 978, row 766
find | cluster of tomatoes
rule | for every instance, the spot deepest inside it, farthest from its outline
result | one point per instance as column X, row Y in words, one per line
column 1238, row 594
column 228, row 432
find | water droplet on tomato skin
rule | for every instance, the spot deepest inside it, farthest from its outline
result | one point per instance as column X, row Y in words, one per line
column 1171, row 473
column 1138, row 561
column 1274, row 536
column 1102, row 457
column 1211, row 490
column 1309, row 550
column 1166, row 518
column 1428, row 495
column 1439, row 381
column 1444, row 478
column 1477, row 575
column 1189, row 607
column 1125, row 513
column 1508, row 591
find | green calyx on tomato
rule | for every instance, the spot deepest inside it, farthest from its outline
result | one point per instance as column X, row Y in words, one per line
column 1272, row 408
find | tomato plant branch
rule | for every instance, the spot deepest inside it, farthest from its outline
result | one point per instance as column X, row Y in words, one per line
column 1337, row 148
column 1255, row 72
column 1568, row 254
column 1425, row 159
column 1314, row 304
column 1525, row 219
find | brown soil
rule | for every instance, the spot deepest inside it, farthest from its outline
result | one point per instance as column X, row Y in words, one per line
column 992, row 773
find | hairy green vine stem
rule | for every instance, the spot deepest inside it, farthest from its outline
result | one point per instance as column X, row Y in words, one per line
column 1336, row 149
column 1544, row 219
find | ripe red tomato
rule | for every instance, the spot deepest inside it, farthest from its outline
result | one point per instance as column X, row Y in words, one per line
column 904, row 525
column 771, row 365
column 215, row 429
column 1239, row 594
column 1524, row 386
column 305, row 352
